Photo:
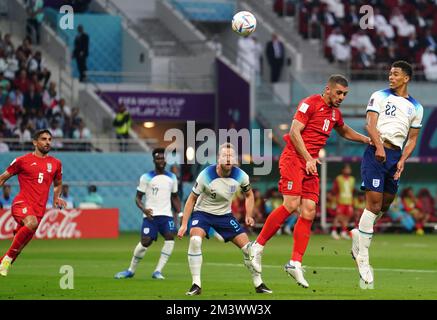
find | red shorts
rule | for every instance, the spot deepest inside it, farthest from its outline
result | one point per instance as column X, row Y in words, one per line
column 21, row 210
column 294, row 180
column 345, row 210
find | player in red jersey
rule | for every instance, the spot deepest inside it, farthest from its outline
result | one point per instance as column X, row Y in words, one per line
column 36, row 171
column 313, row 122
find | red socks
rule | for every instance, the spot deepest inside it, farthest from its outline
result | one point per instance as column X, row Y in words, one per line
column 23, row 236
column 274, row 221
column 301, row 236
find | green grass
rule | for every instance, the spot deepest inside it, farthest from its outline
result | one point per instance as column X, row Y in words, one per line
column 405, row 268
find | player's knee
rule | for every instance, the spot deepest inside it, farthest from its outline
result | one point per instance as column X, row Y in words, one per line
column 31, row 223
column 146, row 241
column 195, row 244
column 308, row 214
column 291, row 205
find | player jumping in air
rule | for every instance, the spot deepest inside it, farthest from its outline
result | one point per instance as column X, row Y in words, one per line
column 36, row 171
column 313, row 122
column 211, row 199
column 160, row 188
column 393, row 118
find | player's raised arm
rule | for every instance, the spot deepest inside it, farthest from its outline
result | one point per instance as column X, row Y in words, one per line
column 371, row 121
column 4, row 177
column 413, row 134
column 296, row 138
column 188, row 209
column 350, row 134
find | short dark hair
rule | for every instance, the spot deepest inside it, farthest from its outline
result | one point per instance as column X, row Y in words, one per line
column 157, row 151
column 405, row 66
column 92, row 188
column 338, row 79
column 40, row 132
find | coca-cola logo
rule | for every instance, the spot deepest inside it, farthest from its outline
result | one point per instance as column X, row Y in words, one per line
column 55, row 224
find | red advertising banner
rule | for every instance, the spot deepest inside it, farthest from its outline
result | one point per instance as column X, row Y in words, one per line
column 68, row 224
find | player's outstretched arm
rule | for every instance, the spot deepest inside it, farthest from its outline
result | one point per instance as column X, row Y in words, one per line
column 4, row 177
column 188, row 209
column 413, row 134
column 350, row 134
column 250, row 204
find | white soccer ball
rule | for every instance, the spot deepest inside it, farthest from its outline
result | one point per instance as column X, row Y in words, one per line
column 244, row 23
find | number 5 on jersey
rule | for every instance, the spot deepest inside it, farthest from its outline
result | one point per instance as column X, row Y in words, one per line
column 40, row 177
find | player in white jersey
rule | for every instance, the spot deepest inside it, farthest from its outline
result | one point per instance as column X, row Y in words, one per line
column 394, row 119
column 211, row 199
column 160, row 187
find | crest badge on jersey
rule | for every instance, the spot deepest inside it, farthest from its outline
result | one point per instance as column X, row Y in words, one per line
column 146, row 230
column 376, row 183
column 49, row 167
column 410, row 111
column 194, row 222
column 232, row 189
column 290, row 185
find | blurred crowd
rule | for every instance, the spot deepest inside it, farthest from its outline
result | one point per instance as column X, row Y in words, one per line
column 30, row 101
column 398, row 30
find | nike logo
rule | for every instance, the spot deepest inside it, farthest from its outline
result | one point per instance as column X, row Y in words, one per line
column 33, row 164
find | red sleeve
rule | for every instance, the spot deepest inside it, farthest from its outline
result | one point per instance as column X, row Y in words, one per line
column 340, row 122
column 58, row 174
column 15, row 167
column 304, row 111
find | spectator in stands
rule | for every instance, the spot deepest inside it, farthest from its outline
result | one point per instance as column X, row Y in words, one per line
column 275, row 53
column 429, row 40
column 57, row 134
column 426, row 203
column 37, row 65
column 403, row 28
column 382, row 25
column 10, row 114
column 17, row 99
column 3, row 63
column 352, row 18
column 258, row 59
column 122, row 124
column 3, row 145
column 36, row 83
column 314, row 23
column 35, row 17
column 83, row 133
column 22, row 81
column 65, row 194
column 32, row 101
column 40, row 122
column 22, row 133
column 24, row 51
column 216, row 45
column 93, row 196
column 429, row 62
column 341, row 50
column 398, row 214
column 6, row 198
column 336, row 7
column 4, row 88
column 247, row 58
column 259, row 210
column 62, row 108
column 362, row 42
column 411, row 205
column 80, row 52
column 50, row 98
column 7, row 45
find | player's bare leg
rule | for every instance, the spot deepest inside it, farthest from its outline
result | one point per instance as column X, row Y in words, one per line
column 242, row 242
column 21, row 239
column 195, row 260
column 274, row 221
column 166, row 252
column 301, row 236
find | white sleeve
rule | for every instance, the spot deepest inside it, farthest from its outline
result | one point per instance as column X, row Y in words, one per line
column 199, row 185
column 375, row 103
column 175, row 184
column 143, row 184
column 245, row 183
column 417, row 121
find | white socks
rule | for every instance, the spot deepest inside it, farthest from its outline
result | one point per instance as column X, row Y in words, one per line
column 256, row 277
column 195, row 258
column 139, row 253
column 365, row 228
column 166, row 251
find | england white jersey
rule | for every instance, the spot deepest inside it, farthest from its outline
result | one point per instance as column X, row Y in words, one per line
column 396, row 115
column 216, row 193
column 158, row 189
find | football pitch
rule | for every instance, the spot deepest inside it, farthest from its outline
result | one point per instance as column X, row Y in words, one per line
column 405, row 268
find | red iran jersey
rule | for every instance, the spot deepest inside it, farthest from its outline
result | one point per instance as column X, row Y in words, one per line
column 319, row 120
column 35, row 176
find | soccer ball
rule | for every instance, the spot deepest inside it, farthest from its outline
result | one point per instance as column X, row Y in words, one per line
column 244, row 23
